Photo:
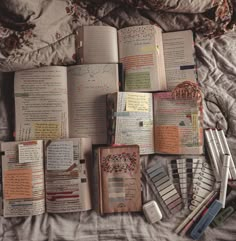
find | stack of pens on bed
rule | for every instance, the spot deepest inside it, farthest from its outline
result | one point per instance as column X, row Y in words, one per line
column 212, row 210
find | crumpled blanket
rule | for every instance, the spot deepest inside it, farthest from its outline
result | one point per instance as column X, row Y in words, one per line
column 38, row 33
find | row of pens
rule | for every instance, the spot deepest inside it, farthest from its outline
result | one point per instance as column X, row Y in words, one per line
column 196, row 185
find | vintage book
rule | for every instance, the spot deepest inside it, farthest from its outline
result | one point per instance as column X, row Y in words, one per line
column 117, row 179
column 59, row 184
column 58, row 102
column 156, row 122
column 152, row 60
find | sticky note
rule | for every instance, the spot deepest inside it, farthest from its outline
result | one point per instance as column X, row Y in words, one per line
column 31, row 151
column 17, row 184
column 46, row 130
column 137, row 102
column 167, row 139
column 60, row 155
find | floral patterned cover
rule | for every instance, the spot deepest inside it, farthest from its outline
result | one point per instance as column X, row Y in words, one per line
column 37, row 33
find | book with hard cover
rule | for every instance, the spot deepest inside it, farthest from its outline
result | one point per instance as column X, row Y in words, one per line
column 156, row 122
column 152, row 60
column 117, row 179
column 59, row 184
column 59, row 102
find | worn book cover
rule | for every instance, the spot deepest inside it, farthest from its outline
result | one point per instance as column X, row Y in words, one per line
column 118, row 179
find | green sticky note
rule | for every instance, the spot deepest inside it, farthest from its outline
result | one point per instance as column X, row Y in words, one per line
column 139, row 80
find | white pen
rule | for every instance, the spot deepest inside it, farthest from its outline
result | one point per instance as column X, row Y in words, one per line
column 220, row 148
column 227, row 151
column 224, row 182
column 213, row 156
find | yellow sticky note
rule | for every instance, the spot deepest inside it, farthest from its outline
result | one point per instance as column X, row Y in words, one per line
column 194, row 118
column 18, row 184
column 46, row 130
column 137, row 102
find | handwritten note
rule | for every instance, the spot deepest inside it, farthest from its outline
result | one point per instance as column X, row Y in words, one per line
column 167, row 139
column 46, row 130
column 140, row 80
column 137, row 102
column 60, row 155
column 31, row 151
column 18, row 184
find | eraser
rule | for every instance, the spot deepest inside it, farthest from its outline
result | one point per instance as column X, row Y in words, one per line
column 152, row 212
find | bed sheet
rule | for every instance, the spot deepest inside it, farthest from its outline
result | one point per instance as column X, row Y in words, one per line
column 38, row 33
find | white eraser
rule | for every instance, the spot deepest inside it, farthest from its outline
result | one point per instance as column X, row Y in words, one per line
column 152, row 212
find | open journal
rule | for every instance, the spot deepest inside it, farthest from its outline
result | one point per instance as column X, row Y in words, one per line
column 152, row 60
column 156, row 122
column 117, row 179
column 58, row 102
column 61, row 186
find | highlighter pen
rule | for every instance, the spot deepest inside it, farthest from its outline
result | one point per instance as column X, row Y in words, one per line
column 227, row 151
column 224, row 214
column 213, row 156
column 194, row 212
column 220, row 149
column 202, row 210
column 224, row 182
column 205, row 221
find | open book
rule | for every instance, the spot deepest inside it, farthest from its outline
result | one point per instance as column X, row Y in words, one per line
column 152, row 60
column 58, row 102
column 62, row 186
column 117, row 179
column 156, row 122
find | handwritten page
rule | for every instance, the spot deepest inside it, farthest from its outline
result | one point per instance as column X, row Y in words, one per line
column 67, row 184
column 30, row 152
column 88, row 86
column 137, row 127
column 23, row 181
column 137, row 102
column 41, row 103
column 177, row 124
column 141, row 52
column 18, row 184
column 168, row 139
column 60, row 155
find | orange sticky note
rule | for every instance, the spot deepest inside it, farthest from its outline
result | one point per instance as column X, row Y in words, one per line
column 167, row 139
column 18, row 184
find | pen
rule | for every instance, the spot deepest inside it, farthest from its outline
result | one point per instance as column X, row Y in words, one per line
column 227, row 151
column 194, row 212
column 224, row 182
column 201, row 212
column 213, row 155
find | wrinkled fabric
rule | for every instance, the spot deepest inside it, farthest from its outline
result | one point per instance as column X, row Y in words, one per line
column 38, row 33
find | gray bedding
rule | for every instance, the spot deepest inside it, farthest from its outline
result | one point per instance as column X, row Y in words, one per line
column 38, row 33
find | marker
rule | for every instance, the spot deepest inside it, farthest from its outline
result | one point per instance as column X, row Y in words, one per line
column 213, row 156
column 204, row 222
column 220, row 148
column 224, row 182
column 194, row 212
column 227, row 151
column 202, row 210
column 224, row 214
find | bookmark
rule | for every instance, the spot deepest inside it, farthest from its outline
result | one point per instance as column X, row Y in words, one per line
column 164, row 190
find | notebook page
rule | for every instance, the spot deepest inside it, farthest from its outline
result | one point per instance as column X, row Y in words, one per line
column 99, row 45
column 179, row 58
column 41, row 103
